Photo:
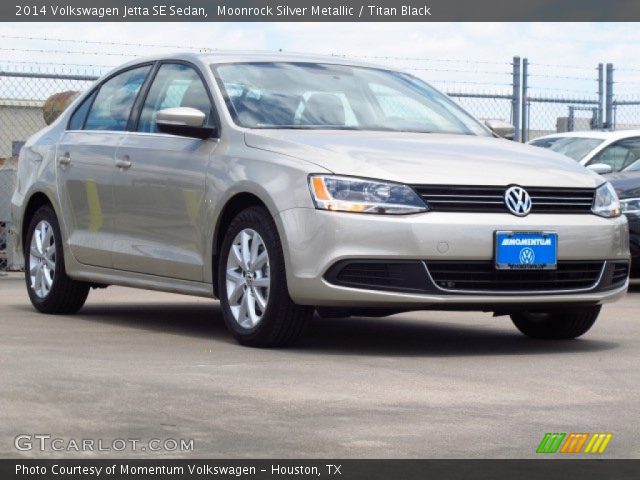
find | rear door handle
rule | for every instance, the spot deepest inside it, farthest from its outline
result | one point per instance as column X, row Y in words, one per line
column 64, row 159
column 123, row 163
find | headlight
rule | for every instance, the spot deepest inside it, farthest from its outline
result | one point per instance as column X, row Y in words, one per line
column 630, row 206
column 606, row 203
column 347, row 194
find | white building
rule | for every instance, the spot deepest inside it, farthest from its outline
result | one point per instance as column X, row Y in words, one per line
column 19, row 119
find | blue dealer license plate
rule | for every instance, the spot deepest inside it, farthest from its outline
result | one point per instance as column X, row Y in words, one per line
column 526, row 250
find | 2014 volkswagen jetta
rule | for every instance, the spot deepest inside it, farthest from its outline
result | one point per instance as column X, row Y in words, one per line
column 284, row 184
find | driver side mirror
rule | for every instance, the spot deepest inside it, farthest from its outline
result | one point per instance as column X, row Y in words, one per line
column 601, row 168
column 184, row 121
column 501, row 128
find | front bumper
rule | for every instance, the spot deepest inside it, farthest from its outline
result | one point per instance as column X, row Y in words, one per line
column 314, row 240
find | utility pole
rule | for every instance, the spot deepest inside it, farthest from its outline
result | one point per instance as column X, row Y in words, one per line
column 516, row 99
column 609, row 97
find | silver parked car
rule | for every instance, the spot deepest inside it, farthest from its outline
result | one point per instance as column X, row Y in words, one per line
column 286, row 184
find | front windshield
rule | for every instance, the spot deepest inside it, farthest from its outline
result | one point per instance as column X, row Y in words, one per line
column 573, row 147
column 324, row 96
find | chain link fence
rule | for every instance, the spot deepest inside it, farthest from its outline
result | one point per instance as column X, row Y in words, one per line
column 561, row 98
column 27, row 101
column 537, row 98
column 626, row 102
column 7, row 185
column 626, row 112
column 553, row 114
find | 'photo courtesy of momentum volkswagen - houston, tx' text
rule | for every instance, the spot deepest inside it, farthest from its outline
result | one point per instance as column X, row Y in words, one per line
column 297, row 239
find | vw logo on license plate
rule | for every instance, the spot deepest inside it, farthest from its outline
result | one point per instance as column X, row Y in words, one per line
column 527, row 256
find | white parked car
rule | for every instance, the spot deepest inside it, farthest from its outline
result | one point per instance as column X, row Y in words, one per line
column 602, row 152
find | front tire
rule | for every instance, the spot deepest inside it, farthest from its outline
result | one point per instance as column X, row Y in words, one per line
column 50, row 289
column 558, row 325
column 252, row 284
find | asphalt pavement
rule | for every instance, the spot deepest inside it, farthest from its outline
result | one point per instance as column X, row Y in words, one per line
column 136, row 365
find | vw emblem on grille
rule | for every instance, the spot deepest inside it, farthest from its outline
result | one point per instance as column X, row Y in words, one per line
column 527, row 256
column 518, row 201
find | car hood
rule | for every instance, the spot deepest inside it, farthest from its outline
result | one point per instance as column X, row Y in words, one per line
column 626, row 184
column 423, row 158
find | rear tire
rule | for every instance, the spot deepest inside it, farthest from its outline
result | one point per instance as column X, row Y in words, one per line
column 50, row 289
column 252, row 284
column 559, row 325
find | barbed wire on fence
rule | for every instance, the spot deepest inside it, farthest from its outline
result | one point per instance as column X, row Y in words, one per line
column 449, row 70
column 69, row 70
column 422, row 59
column 57, row 64
column 67, row 52
column 96, row 42
column 562, row 65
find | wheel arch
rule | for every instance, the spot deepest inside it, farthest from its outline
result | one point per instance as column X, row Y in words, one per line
column 234, row 205
column 36, row 200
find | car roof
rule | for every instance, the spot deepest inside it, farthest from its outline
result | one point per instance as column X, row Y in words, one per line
column 230, row 56
column 599, row 134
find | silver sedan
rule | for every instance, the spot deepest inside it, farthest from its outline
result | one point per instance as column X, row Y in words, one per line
column 288, row 184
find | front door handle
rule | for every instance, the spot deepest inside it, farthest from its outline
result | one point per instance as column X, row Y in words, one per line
column 64, row 159
column 123, row 163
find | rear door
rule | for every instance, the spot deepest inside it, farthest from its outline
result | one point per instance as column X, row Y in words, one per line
column 159, row 189
column 85, row 159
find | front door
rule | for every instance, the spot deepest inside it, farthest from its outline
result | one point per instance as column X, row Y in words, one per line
column 160, row 185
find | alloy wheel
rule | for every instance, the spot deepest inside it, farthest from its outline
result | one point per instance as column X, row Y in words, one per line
column 42, row 259
column 248, row 278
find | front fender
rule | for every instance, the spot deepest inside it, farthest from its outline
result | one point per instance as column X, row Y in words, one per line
column 279, row 182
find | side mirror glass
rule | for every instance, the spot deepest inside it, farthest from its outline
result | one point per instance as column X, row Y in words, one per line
column 601, row 168
column 185, row 121
column 501, row 128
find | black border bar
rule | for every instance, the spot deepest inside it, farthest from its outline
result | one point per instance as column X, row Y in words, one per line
column 543, row 468
column 320, row 10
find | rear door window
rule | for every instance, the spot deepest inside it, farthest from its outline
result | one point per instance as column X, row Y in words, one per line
column 114, row 101
column 76, row 122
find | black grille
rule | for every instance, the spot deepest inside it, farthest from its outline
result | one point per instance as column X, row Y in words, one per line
column 461, row 276
column 457, row 198
column 620, row 273
column 400, row 276
column 482, row 276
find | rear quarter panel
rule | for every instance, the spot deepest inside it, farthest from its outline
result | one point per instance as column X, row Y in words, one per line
column 36, row 174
